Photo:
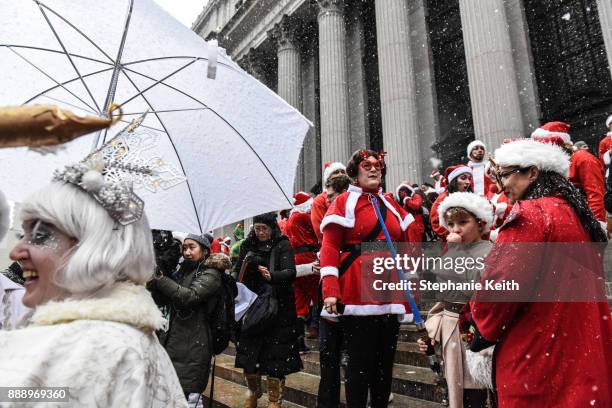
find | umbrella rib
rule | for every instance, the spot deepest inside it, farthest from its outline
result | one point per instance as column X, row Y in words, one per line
column 178, row 57
column 54, row 51
column 76, row 29
column 92, row 111
column 40, row 6
column 64, row 83
column 165, row 111
column 195, row 208
column 141, row 93
column 51, row 78
column 224, row 120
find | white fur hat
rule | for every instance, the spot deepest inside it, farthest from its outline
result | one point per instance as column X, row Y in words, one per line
column 473, row 144
column 330, row 168
column 5, row 214
column 477, row 205
column 529, row 152
column 609, row 121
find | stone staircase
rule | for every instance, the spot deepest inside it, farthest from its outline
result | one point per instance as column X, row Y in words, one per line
column 412, row 386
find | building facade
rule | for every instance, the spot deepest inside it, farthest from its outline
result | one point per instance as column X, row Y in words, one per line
column 420, row 79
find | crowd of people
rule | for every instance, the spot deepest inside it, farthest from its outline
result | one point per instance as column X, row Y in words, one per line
column 141, row 314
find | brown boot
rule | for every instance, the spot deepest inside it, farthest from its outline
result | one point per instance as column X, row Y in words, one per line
column 275, row 392
column 254, row 393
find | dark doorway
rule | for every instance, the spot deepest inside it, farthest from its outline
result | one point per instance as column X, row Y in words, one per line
column 571, row 66
column 452, row 91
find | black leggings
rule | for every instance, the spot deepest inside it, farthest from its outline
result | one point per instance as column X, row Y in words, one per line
column 370, row 343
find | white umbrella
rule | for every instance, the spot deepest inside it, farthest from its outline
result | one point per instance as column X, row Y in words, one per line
column 236, row 141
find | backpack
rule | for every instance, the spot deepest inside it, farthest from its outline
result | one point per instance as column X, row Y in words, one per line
column 222, row 317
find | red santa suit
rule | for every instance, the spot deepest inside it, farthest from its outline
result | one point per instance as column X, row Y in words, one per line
column 305, row 245
column 547, row 354
column 605, row 145
column 215, row 245
column 317, row 212
column 350, row 218
column 413, row 205
column 587, row 173
column 479, row 170
column 434, row 219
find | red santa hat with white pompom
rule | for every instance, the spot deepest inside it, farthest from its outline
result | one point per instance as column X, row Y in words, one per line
column 302, row 202
column 553, row 129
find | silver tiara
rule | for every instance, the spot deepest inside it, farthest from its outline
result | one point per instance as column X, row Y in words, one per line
column 112, row 173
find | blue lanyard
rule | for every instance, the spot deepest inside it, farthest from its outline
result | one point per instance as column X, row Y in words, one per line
column 402, row 276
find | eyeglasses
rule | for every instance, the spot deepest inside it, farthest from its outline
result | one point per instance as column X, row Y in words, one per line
column 262, row 229
column 367, row 165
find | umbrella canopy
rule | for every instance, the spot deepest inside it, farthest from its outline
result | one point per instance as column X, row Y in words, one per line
column 236, row 141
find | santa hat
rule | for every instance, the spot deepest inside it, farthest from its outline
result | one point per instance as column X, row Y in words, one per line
column 4, row 215
column 473, row 144
column 609, row 121
column 330, row 168
column 453, row 172
column 559, row 129
column 403, row 185
column 528, row 152
column 479, row 206
column 302, row 202
column 434, row 173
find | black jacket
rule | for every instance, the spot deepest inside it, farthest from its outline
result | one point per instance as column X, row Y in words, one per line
column 273, row 353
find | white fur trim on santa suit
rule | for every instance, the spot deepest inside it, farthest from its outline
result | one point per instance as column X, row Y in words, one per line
column 304, row 207
column 329, row 170
column 540, row 133
column 527, row 152
column 606, row 158
column 473, row 144
column 5, row 215
column 348, row 221
column 329, row 271
column 369, row 310
column 479, row 206
column 479, row 172
column 303, row 270
column 459, row 171
column 608, row 121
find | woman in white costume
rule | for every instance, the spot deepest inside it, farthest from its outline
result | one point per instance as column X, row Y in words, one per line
column 86, row 254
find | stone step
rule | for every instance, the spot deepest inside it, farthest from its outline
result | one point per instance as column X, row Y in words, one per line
column 228, row 394
column 411, row 380
column 301, row 388
column 406, row 353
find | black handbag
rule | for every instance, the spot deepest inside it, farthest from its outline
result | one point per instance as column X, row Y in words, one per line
column 262, row 313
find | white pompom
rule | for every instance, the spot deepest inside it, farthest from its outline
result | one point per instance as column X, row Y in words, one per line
column 92, row 181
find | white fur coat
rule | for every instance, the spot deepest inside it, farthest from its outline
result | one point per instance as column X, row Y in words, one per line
column 103, row 348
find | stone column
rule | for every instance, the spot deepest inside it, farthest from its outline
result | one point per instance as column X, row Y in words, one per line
column 492, row 76
column 397, row 93
column 254, row 62
column 289, row 87
column 604, row 7
column 310, row 108
column 335, row 129
column 356, row 77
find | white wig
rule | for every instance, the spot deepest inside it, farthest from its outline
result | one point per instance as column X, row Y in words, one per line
column 106, row 252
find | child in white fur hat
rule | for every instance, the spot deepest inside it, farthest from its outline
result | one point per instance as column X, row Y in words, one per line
column 466, row 216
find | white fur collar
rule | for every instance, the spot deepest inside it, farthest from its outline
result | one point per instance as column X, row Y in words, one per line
column 123, row 303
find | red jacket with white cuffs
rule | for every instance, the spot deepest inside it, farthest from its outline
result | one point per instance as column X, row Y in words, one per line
column 350, row 218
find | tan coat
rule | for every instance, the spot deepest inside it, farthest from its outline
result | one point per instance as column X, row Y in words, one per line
column 442, row 327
